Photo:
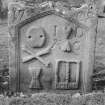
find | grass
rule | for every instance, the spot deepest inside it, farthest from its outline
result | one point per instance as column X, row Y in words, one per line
column 55, row 99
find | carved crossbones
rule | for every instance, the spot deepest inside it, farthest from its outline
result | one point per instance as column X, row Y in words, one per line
column 37, row 55
column 40, row 53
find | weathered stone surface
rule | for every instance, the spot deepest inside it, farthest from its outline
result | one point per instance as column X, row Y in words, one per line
column 60, row 57
column 4, row 5
column 100, row 45
column 99, row 57
column 4, row 46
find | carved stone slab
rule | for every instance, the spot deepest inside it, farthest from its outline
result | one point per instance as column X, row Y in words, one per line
column 52, row 46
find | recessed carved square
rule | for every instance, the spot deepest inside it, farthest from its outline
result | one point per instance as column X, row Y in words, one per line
column 67, row 74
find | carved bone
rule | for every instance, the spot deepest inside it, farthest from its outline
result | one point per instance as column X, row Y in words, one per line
column 37, row 56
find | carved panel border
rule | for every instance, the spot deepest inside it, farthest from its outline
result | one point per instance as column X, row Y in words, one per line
column 17, row 38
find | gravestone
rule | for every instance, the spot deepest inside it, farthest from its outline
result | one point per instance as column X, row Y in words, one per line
column 52, row 46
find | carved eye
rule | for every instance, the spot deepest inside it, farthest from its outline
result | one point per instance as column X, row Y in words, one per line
column 41, row 36
column 29, row 36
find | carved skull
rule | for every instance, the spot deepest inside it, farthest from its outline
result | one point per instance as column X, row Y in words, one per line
column 35, row 37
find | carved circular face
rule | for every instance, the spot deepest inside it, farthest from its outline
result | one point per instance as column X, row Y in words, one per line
column 36, row 37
